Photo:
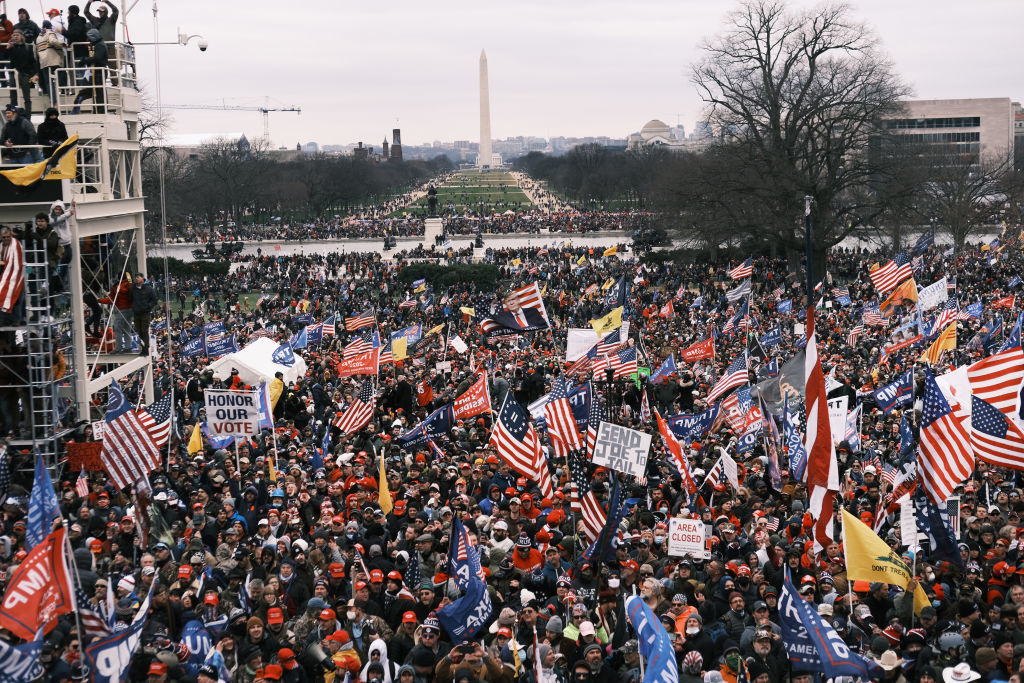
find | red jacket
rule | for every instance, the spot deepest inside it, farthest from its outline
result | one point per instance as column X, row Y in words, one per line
column 120, row 295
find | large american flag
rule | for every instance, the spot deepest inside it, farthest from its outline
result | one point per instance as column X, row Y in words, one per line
column 359, row 321
column 735, row 376
column 597, row 415
column 582, row 499
column 12, row 275
column 361, row 344
column 822, row 468
column 133, row 438
column 565, row 437
column 997, row 379
column 996, row 439
column 946, row 457
column 610, row 343
column 745, row 269
column 361, row 410
column 892, row 273
column 855, row 334
column 516, row 442
column 623, row 363
column 330, row 327
column 950, row 312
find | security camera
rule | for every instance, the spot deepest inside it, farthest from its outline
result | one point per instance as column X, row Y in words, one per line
column 203, row 44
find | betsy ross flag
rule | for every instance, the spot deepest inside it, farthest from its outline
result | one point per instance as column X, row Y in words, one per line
column 745, row 269
column 996, row 439
column 623, row 363
column 12, row 273
column 516, row 442
column 735, row 376
column 583, row 501
column 892, row 273
column 133, row 438
column 361, row 410
column 359, row 321
column 946, row 457
column 82, row 485
column 565, row 437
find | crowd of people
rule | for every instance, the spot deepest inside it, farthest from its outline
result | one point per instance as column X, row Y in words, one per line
column 282, row 552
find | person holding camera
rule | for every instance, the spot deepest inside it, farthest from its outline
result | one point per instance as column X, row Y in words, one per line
column 479, row 664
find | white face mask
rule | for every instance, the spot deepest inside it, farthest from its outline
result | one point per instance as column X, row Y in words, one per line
column 613, row 582
column 351, row 615
column 659, row 539
column 692, row 630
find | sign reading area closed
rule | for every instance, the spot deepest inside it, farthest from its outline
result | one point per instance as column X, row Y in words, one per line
column 622, row 449
column 232, row 413
column 687, row 537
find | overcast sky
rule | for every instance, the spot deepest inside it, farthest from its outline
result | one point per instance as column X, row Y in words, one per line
column 358, row 69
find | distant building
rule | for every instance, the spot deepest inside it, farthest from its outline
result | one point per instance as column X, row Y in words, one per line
column 980, row 129
column 361, row 152
column 655, row 133
column 311, row 148
column 385, row 150
column 396, row 144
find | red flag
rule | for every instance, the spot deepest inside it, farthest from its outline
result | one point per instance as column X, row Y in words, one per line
column 700, row 350
column 822, row 468
column 673, row 447
column 1004, row 302
column 363, row 364
column 474, row 400
column 40, row 589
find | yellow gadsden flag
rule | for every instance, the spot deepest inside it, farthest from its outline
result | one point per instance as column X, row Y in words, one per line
column 611, row 251
column 195, row 441
column 902, row 294
column 945, row 342
column 384, row 495
column 59, row 166
column 606, row 324
column 868, row 558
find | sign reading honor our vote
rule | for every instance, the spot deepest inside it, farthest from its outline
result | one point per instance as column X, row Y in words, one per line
column 232, row 413
column 622, row 449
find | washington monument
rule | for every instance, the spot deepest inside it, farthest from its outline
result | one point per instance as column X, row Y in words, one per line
column 484, row 159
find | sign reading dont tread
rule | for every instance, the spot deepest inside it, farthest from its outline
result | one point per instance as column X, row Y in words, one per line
column 622, row 449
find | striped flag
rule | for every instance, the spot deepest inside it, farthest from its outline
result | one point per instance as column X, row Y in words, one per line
column 82, row 485
column 516, row 442
column 872, row 316
column 407, row 304
column 745, row 269
column 997, row 380
column 946, row 457
column 329, row 326
column 12, row 275
column 361, row 410
column 565, row 437
column 598, row 414
column 950, row 312
column 361, row 344
column 672, row 445
column 855, row 334
column 645, row 408
column 133, row 438
column 945, row 342
column 359, row 321
column 892, row 273
column 91, row 616
column 822, row 468
column 623, row 363
column 996, row 439
column 610, row 343
column 735, row 376
column 740, row 292
column 583, row 501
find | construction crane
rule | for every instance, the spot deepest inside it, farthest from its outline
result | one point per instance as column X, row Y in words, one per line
column 227, row 107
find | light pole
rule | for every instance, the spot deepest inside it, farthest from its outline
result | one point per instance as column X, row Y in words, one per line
column 809, row 249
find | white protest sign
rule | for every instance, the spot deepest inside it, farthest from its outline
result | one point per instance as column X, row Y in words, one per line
column 908, row 522
column 232, row 413
column 97, row 429
column 932, row 295
column 731, row 473
column 622, row 449
column 837, row 416
column 687, row 537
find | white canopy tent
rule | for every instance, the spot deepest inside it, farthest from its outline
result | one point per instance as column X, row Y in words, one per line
column 255, row 364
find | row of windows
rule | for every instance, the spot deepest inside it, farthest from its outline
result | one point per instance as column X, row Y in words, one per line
column 939, row 137
column 946, row 122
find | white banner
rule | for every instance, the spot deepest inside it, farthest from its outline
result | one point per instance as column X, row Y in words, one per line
column 932, row 295
column 731, row 473
column 687, row 537
column 622, row 449
column 908, row 522
column 837, row 409
column 232, row 413
column 580, row 340
column 458, row 344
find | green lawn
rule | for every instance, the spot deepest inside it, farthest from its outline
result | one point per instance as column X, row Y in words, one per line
column 496, row 190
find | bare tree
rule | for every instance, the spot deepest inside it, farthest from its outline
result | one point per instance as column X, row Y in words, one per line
column 798, row 93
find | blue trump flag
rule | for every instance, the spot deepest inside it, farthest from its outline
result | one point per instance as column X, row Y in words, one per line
column 667, row 369
column 579, row 398
column 21, row 662
column 110, row 657
column 794, row 442
column 809, row 638
column 464, row 618
column 785, row 306
column 299, row 340
column 43, row 506
column 199, row 644
column 692, row 427
column 771, row 337
column 283, row 355
column 655, row 645
column 221, row 347
column 194, row 347
column 214, row 328
column 896, row 394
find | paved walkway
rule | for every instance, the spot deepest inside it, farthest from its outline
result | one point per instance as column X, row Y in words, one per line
column 543, row 200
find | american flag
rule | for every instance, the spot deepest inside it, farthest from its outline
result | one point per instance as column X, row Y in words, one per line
column 565, row 437
column 735, row 376
column 892, row 273
column 407, row 304
column 359, row 321
column 745, row 269
column 855, row 334
column 997, row 379
column 946, row 458
column 93, row 621
column 645, row 408
column 583, row 501
column 330, row 327
column 357, row 557
column 872, row 316
column 950, row 312
column 386, row 356
column 822, row 468
column 889, row 474
column 12, row 278
column 623, row 363
column 778, row 292
column 82, row 485
column 361, row 344
column 516, row 442
column 582, row 364
column 597, row 415
column 996, row 439
column 412, row 575
column 840, row 291
column 360, row 412
column 610, row 343
column 133, row 438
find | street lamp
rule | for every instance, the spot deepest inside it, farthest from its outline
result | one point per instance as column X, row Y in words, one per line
column 183, row 39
